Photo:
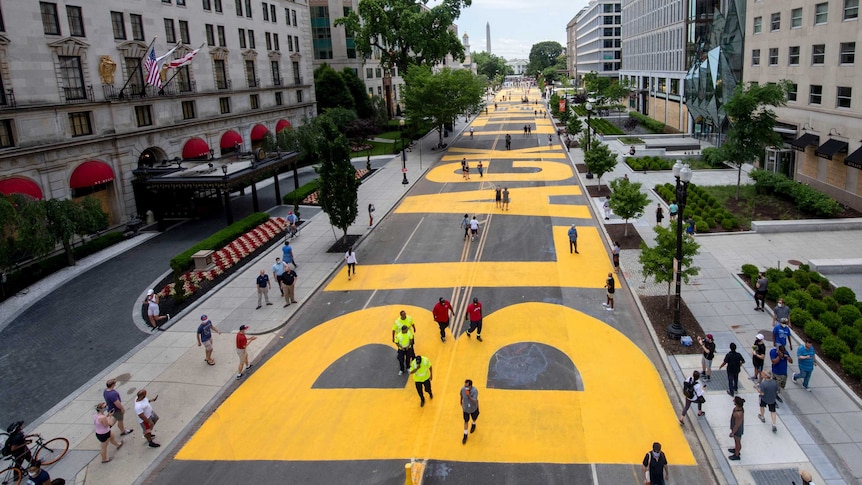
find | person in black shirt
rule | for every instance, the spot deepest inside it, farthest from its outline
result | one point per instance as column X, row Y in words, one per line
column 733, row 360
column 655, row 465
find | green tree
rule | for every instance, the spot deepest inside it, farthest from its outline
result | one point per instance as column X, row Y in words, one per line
column 440, row 97
column 33, row 236
column 574, row 125
column 303, row 140
column 331, row 90
column 627, row 201
column 405, row 32
column 658, row 261
column 491, row 65
column 8, row 227
column 542, row 56
column 341, row 117
column 752, row 123
column 607, row 90
column 361, row 100
column 338, row 191
column 599, row 161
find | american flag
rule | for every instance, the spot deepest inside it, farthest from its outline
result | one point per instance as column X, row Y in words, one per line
column 153, row 66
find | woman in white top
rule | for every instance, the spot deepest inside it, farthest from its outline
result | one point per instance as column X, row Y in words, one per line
column 153, row 311
column 698, row 398
column 350, row 257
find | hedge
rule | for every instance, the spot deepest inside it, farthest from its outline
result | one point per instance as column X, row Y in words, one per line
column 649, row 163
column 703, row 208
column 650, row 124
column 183, row 261
column 806, row 198
column 296, row 197
column 605, row 127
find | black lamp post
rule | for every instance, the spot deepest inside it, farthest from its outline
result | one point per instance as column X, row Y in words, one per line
column 682, row 173
column 404, row 181
column 589, row 107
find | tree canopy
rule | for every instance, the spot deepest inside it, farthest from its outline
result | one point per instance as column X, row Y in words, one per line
column 338, row 188
column 657, row 261
column 492, row 66
column 356, row 87
column 331, row 90
column 542, row 56
column 608, row 90
column 627, row 201
column 599, row 160
column 440, row 97
column 405, row 32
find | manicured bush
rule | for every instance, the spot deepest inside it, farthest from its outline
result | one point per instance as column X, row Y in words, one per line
column 849, row 314
column 750, row 271
column 774, row 275
column 701, row 226
column 800, row 317
column 729, row 223
column 647, row 122
column 833, row 347
column 858, row 324
column 183, row 261
column 806, row 198
column 815, row 277
column 831, row 304
column 852, row 364
column 792, row 301
column 844, row 296
column 825, row 284
column 774, row 293
column 801, row 298
column 814, row 290
column 801, row 278
column 297, row 196
column 858, row 305
column 850, row 335
column 787, row 285
column 817, row 331
column 815, row 308
column 831, row 320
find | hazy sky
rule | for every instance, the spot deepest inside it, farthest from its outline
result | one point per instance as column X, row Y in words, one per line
column 516, row 24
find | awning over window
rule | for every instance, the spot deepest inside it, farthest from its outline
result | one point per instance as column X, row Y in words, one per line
column 258, row 132
column 854, row 159
column 831, row 147
column 282, row 125
column 19, row 185
column 805, row 141
column 195, row 148
column 230, row 139
column 91, row 173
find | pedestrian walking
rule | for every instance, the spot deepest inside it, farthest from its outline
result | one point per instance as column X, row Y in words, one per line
column 287, row 255
column 205, row 337
column 115, row 405
column 737, row 427
column 467, row 171
column 292, row 220
column 471, row 132
column 498, row 196
column 481, row 169
column 780, row 358
column 474, row 315
column 465, row 224
column 525, row 130
column 689, row 226
column 350, row 259
column 474, row 228
column 659, row 215
column 103, row 420
column 147, row 417
column 550, row 140
column 277, row 272
column 263, row 286
column 805, row 476
column 707, row 346
column 505, row 198
column 288, row 284
column 693, row 392
column 404, row 343
column 508, row 140
column 655, row 466
column 242, row 342
column 153, row 311
column 758, row 356
column 761, row 286
column 615, row 256
column 805, row 356
column 781, row 334
column 441, row 312
column 370, row 215
column 37, row 476
column 469, row 406
column 607, row 208
column 768, row 391
column 529, row 129
column 672, row 210
column 573, row 240
column 780, row 312
column 609, row 286
column 403, row 319
column 422, row 375
column 733, row 360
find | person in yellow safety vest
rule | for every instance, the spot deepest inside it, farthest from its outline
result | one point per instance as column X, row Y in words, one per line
column 422, row 374
column 404, row 341
column 404, row 319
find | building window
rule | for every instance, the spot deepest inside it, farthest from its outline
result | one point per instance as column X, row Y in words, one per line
column 296, row 42
column 181, row 3
column 220, row 74
column 290, row 43
column 272, row 14
column 188, row 110
column 72, row 77
column 76, row 21
column 251, row 44
column 296, row 78
column 848, row 52
column 775, row 23
column 207, row 5
column 755, row 57
column 265, row 12
column 134, row 73
column 6, row 138
column 378, row 72
column 166, row 1
column 293, row 16
column 2, row 25
column 275, row 46
column 815, row 94
column 821, row 13
column 369, row 73
column 170, row 33
column 268, row 37
column 218, row 7
column 239, row 8
column 793, row 55
column 773, row 56
column 242, row 38
column 851, row 9
column 184, row 32
column 80, row 123
column 137, row 26
column 250, row 74
column 50, row 21
column 222, row 41
column 796, row 18
column 275, row 69
column 299, row 96
column 248, row 8
column 210, row 34
column 254, row 101
column 144, row 115
column 183, row 80
column 818, row 54
column 843, row 96
column 279, row 100
column 791, row 92
column 224, row 105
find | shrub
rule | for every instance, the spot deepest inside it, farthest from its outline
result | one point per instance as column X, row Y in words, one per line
column 831, row 304
column 844, row 296
column 729, row 223
column 849, row 314
column 750, row 271
column 183, row 261
column 98, row 243
column 833, row 347
column 831, row 320
column 801, row 278
column 816, row 331
column 800, row 317
column 788, row 285
column 815, row 308
column 815, row 277
column 858, row 305
column 807, row 199
column 788, row 273
column 702, row 226
column 849, row 335
column 297, row 196
column 814, row 290
column 774, row 293
column 647, row 122
column 802, row 299
column 792, row 302
column 825, row 284
column 852, row 363
column 774, row 275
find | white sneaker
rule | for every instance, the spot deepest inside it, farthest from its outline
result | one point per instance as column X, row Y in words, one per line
column 604, row 304
column 401, row 373
column 609, row 309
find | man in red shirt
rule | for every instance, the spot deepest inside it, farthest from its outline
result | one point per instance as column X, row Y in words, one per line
column 474, row 313
column 441, row 313
column 241, row 343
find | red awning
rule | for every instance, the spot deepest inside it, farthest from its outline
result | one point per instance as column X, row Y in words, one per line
column 91, row 173
column 230, row 139
column 18, row 185
column 282, row 125
column 195, row 148
column 258, row 132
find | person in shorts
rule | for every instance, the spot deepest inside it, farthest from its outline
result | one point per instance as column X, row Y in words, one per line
column 615, row 255
column 758, row 357
column 470, row 407
column 115, row 405
column 609, row 285
column 707, row 346
column 205, row 337
column 146, row 416
column 768, row 390
column 242, row 350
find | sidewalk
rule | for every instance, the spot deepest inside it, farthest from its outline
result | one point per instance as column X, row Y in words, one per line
column 820, row 431
column 170, row 364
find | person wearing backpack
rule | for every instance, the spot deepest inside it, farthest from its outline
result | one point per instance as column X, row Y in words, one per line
column 693, row 393
column 655, row 466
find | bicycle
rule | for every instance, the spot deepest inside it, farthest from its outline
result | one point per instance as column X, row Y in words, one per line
column 48, row 452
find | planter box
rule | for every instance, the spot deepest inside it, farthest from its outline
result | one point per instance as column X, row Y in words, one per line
column 203, row 260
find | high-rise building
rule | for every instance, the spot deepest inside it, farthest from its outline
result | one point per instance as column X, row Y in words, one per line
column 598, row 39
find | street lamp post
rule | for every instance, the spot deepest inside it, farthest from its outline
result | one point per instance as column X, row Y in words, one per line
column 404, row 181
column 589, row 107
column 682, row 173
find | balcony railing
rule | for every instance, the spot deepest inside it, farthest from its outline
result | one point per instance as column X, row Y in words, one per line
column 78, row 95
column 133, row 91
column 7, row 99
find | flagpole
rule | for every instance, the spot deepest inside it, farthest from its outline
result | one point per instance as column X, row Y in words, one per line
column 162, row 90
column 140, row 63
